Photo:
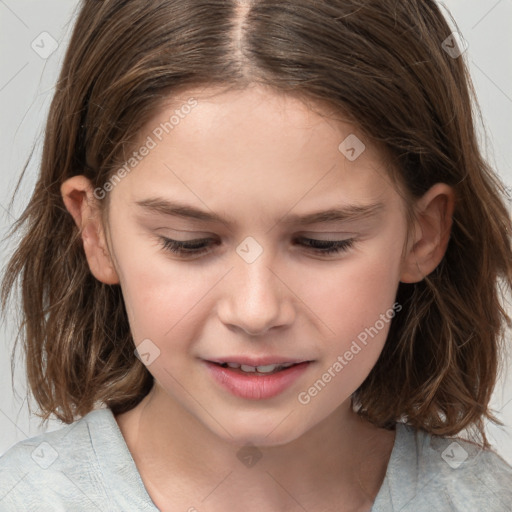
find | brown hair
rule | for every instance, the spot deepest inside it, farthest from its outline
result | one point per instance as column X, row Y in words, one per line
column 380, row 63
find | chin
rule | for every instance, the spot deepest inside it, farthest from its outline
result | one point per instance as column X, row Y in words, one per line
column 265, row 434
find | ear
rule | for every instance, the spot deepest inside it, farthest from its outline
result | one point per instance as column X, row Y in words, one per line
column 434, row 214
column 78, row 197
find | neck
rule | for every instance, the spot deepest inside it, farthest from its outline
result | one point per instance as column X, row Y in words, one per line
column 342, row 458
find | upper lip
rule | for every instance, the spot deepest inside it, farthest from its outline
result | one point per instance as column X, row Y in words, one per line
column 258, row 361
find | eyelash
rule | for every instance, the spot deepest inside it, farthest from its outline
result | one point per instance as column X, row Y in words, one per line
column 197, row 247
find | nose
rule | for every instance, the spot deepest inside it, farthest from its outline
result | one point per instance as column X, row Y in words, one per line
column 255, row 298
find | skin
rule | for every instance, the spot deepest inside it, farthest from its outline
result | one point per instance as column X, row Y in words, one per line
column 255, row 157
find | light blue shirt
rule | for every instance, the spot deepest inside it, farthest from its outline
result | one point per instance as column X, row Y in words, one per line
column 86, row 466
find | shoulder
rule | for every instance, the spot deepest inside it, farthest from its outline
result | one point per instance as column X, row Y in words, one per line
column 431, row 472
column 54, row 468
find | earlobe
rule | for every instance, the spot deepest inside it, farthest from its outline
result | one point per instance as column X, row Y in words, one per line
column 78, row 197
column 432, row 227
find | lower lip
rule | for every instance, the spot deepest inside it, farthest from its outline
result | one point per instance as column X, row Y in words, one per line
column 256, row 387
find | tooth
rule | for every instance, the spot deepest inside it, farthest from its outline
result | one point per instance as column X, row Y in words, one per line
column 268, row 368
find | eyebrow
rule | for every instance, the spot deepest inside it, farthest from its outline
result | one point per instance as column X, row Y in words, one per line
column 345, row 213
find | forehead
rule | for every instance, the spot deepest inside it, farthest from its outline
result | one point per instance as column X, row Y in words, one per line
column 239, row 122
column 255, row 145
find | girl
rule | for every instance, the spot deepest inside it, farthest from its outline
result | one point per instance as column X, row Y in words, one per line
column 262, row 266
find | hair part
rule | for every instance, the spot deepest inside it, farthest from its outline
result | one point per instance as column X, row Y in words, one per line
column 377, row 63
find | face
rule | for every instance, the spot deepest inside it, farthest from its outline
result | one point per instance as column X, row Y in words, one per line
column 233, row 187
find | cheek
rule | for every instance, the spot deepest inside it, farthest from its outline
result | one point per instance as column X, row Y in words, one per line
column 355, row 300
column 160, row 295
column 353, row 293
column 357, row 303
column 372, row 287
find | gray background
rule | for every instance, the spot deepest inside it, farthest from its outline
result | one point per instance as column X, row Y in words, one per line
column 27, row 80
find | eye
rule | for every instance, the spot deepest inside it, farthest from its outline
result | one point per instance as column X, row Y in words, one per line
column 326, row 246
column 188, row 248
column 201, row 246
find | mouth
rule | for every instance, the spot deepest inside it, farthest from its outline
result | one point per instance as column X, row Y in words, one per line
column 259, row 366
column 267, row 369
column 256, row 382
